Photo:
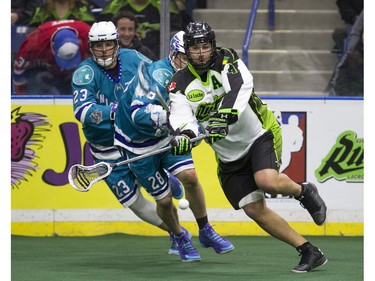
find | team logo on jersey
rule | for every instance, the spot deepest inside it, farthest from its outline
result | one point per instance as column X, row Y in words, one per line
column 162, row 76
column 172, row 86
column 195, row 95
column 83, row 75
column 205, row 109
column 96, row 117
column 232, row 68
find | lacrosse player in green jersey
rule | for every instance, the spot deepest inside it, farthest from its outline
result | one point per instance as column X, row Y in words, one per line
column 215, row 91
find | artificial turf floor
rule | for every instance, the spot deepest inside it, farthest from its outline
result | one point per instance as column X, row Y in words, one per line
column 123, row 257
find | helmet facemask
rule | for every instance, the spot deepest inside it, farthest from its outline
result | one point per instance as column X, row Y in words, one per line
column 200, row 46
column 103, row 43
column 102, row 49
column 178, row 60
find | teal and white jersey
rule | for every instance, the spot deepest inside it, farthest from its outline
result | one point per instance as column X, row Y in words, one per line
column 95, row 95
column 227, row 84
column 141, row 121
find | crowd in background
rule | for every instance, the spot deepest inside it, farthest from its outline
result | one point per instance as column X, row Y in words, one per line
column 48, row 60
column 138, row 22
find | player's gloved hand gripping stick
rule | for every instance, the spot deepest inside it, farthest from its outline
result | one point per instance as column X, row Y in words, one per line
column 181, row 144
column 218, row 123
column 82, row 178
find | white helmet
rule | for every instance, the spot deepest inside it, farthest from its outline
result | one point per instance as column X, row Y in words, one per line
column 103, row 31
column 176, row 46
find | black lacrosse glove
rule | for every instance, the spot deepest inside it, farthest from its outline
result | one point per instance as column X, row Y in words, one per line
column 181, row 144
column 218, row 124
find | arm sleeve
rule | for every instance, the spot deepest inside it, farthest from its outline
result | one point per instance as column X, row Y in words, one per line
column 355, row 33
column 238, row 85
column 148, row 116
column 86, row 109
column 182, row 115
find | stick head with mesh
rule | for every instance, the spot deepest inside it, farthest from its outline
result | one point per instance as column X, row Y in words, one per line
column 83, row 177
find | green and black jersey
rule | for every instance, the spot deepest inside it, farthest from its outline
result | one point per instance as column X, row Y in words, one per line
column 227, row 84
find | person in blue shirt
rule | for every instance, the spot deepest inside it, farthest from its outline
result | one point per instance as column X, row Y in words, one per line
column 141, row 126
column 98, row 84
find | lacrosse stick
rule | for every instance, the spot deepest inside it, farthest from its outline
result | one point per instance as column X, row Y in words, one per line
column 145, row 79
column 148, row 83
column 162, row 100
column 82, row 178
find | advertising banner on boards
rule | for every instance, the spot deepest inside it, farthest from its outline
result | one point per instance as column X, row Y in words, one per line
column 322, row 143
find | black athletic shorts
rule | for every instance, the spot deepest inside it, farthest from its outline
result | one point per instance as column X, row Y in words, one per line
column 237, row 178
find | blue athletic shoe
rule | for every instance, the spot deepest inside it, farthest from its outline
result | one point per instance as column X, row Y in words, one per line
column 174, row 248
column 186, row 249
column 176, row 186
column 209, row 238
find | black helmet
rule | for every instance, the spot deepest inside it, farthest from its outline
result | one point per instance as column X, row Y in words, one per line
column 199, row 32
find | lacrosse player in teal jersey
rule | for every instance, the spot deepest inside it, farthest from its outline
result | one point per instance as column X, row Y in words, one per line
column 141, row 126
column 98, row 83
column 216, row 91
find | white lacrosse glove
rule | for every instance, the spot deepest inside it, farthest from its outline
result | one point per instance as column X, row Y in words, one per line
column 159, row 119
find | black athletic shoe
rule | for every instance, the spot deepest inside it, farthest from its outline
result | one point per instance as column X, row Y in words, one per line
column 311, row 258
column 313, row 203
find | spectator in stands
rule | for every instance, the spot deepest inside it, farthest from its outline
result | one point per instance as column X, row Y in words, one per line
column 147, row 12
column 23, row 10
column 48, row 56
column 126, row 25
column 347, row 78
column 185, row 8
column 97, row 4
column 61, row 10
column 349, row 11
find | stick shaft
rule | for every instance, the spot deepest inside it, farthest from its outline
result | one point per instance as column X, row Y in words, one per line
column 162, row 100
column 164, row 149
